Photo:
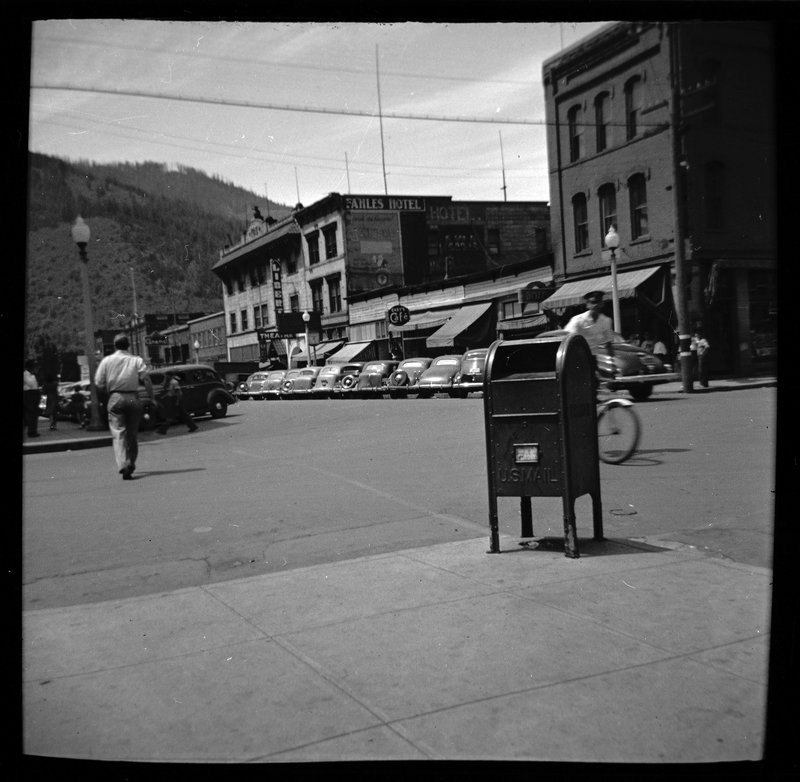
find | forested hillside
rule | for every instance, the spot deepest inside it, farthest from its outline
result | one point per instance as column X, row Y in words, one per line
column 156, row 229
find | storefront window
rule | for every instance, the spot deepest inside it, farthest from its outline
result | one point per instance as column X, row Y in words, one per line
column 763, row 294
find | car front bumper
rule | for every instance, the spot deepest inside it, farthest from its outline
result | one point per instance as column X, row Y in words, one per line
column 647, row 380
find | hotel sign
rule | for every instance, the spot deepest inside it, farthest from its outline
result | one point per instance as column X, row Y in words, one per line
column 380, row 203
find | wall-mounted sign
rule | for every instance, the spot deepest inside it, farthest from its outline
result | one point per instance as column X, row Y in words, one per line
column 155, row 339
column 532, row 295
column 398, row 315
column 374, row 256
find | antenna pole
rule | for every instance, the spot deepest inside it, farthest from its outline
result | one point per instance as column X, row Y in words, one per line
column 297, row 184
column 347, row 168
column 380, row 119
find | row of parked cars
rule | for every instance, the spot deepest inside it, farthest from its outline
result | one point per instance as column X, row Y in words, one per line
column 621, row 366
column 456, row 375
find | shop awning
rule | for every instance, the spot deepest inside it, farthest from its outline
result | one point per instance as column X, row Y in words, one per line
column 350, row 352
column 426, row 320
column 321, row 351
column 468, row 327
column 520, row 324
column 572, row 293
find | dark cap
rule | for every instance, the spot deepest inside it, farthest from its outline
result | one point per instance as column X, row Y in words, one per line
column 594, row 296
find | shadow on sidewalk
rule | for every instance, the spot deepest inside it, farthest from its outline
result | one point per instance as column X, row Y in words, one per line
column 588, row 547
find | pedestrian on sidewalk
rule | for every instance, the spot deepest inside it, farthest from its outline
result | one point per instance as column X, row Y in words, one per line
column 31, row 396
column 120, row 374
column 50, row 391
column 77, row 408
column 702, row 347
column 172, row 403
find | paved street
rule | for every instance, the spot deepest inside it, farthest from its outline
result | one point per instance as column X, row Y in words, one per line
column 281, row 485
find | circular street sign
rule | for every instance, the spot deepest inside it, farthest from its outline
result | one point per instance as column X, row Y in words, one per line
column 399, row 315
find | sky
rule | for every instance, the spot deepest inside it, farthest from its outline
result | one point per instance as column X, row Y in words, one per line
column 258, row 86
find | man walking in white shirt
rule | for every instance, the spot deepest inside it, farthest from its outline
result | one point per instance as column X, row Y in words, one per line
column 120, row 374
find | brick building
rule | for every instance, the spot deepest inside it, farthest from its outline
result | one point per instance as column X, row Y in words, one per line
column 345, row 248
column 614, row 102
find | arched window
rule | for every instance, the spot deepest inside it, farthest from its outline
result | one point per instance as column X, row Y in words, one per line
column 574, row 122
column 637, row 191
column 602, row 113
column 581, row 219
column 714, row 195
column 607, row 196
column 633, row 106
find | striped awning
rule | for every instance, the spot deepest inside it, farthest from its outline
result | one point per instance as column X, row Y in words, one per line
column 350, row 352
column 321, row 351
column 572, row 293
column 519, row 324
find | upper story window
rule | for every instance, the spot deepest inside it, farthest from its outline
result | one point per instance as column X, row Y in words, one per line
column 633, row 106
column 575, row 125
column 244, row 320
column 312, row 240
column 262, row 273
column 241, row 282
column 229, row 286
column 233, row 323
column 714, row 195
column 316, row 296
column 294, row 303
column 493, row 241
column 291, row 263
column 253, row 276
column 329, row 234
column 581, row 219
column 433, row 242
column 637, row 191
column 602, row 112
column 607, row 196
column 511, row 309
column 335, row 294
column 709, row 96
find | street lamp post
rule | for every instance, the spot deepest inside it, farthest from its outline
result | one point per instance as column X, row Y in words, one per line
column 81, row 235
column 306, row 319
column 612, row 242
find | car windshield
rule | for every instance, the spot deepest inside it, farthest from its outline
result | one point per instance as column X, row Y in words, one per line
column 373, row 368
column 276, row 375
column 412, row 364
column 445, row 362
column 330, row 371
column 476, row 355
column 258, row 378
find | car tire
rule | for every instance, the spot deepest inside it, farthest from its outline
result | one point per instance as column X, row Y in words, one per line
column 218, row 408
column 640, row 393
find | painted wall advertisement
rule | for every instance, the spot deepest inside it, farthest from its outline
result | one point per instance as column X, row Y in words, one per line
column 373, row 250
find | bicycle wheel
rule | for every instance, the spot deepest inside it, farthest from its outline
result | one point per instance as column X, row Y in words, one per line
column 618, row 432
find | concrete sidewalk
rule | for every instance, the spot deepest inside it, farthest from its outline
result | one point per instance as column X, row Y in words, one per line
column 638, row 651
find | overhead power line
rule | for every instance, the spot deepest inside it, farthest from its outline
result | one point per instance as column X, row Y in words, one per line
column 276, row 107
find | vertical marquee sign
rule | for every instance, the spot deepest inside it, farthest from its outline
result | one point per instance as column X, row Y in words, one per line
column 277, row 286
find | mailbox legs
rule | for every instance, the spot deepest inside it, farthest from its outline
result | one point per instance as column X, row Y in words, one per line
column 597, row 516
column 526, row 517
column 494, row 537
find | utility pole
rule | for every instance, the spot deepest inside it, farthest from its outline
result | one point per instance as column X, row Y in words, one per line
column 684, row 335
column 347, row 169
column 503, row 164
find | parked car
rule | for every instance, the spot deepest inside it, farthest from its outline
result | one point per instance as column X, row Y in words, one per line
column 471, row 373
column 329, row 375
column 439, row 376
column 234, row 379
column 203, row 392
column 287, row 384
column 626, row 367
column 348, row 377
column 304, row 382
column 373, row 379
column 272, row 387
column 403, row 381
column 253, row 387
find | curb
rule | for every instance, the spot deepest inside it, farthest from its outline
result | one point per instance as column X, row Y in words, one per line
column 66, row 445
